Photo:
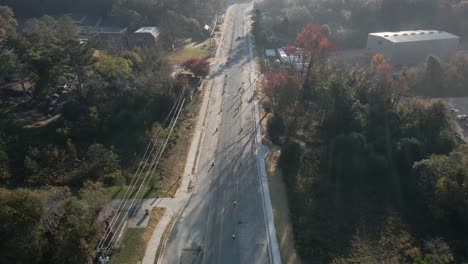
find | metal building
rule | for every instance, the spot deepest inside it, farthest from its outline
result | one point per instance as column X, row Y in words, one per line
column 147, row 37
column 412, row 47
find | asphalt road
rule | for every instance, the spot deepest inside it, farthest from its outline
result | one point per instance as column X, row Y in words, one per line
column 211, row 218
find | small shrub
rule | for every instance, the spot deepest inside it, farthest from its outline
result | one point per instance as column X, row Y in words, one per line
column 276, row 128
column 290, row 159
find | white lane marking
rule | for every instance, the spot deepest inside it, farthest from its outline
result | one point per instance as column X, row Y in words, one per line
column 220, row 248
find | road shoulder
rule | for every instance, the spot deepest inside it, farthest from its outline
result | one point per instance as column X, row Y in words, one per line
column 281, row 212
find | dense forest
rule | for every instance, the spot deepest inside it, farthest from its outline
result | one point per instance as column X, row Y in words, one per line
column 348, row 22
column 28, row 9
column 372, row 175
column 180, row 18
column 176, row 19
column 99, row 107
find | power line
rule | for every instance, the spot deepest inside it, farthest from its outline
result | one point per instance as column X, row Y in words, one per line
column 133, row 185
column 140, row 168
column 144, row 161
column 135, row 178
column 151, row 169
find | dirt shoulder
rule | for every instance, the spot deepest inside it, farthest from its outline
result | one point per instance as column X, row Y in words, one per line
column 279, row 200
column 136, row 239
column 201, row 50
column 172, row 167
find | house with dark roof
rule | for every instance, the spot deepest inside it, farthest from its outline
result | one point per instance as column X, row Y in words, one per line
column 110, row 37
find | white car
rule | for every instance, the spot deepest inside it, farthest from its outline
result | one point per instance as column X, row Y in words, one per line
column 462, row 117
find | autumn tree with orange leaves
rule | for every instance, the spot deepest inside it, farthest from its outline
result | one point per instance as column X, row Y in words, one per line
column 199, row 67
column 381, row 66
column 284, row 91
column 384, row 73
column 274, row 83
column 315, row 43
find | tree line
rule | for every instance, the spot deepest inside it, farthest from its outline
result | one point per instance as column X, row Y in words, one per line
column 53, row 177
column 176, row 19
column 439, row 77
column 370, row 177
column 28, row 8
column 349, row 22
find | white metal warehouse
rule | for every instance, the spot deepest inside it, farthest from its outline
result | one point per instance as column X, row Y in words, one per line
column 144, row 37
column 411, row 47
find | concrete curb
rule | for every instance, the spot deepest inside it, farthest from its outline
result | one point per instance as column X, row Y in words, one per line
column 195, row 168
column 164, row 221
column 274, row 251
column 197, row 159
column 264, row 187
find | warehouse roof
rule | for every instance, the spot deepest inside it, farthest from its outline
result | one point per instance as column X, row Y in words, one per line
column 414, row 35
column 270, row 53
column 109, row 30
column 151, row 30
